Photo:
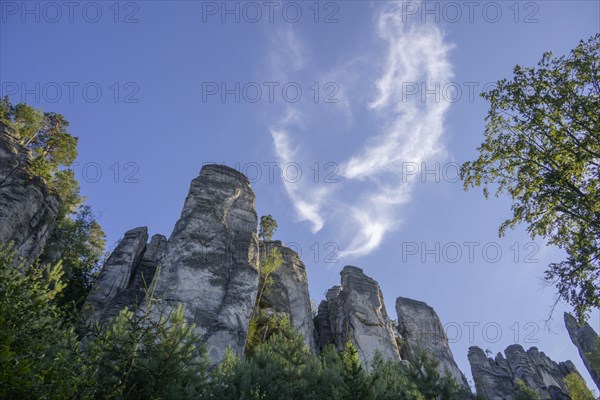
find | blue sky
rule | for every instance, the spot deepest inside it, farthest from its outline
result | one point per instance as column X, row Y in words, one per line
column 349, row 117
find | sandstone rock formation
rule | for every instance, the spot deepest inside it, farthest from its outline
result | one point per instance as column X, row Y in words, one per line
column 125, row 276
column 493, row 378
column 289, row 292
column 323, row 330
column 27, row 209
column 496, row 379
column 210, row 266
column 356, row 312
column 421, row 330
column 210, row 263
column 585, row 339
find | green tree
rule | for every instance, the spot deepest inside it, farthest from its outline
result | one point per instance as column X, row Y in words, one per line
column 281, row 368
column 391, row 381
column 40, row 356
column 272, row 263
column 356, row 382
column 25, row 119
column 132, row 356
column 267, row 227
column 431, row 384
column 223, row 378
column 525, row 393
column 53, row 150
column 262, row 327
column 135, row 356
column 577, row 388
column 78, row 241
column 542, row 147
column 331, row 379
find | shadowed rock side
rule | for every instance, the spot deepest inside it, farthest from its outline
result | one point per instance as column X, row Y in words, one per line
column 140, row 283
column 27, row 210
column 210, row 263
column 585, row 339
column 323, row 330
column 356, row 313
column 289, row 292
column 421, row 330
column 496, row 379
column 125, row 275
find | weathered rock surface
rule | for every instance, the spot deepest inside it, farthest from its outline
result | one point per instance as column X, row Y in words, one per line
column 210, row 263
column 140, row 284
column 324, row 333
column 585, row 339
column 422, row 330
column 496, row 379
column 27, row 209
column 493, row 378
column 116, row 276
column 289, row 292
column 356, row 312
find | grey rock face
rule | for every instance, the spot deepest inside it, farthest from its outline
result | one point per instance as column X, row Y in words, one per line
column 496, row 379
column 116, row 276
column 539, row 371
column 289, row 292
column 493, row 378
column 324, row 333
column 585, row 339
column 140, row 284
column 521, row 366
column 356, row 312
column 421, row 330
column 210, row 263
column 27, row 210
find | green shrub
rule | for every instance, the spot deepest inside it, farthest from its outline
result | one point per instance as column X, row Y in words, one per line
column 40, row 356
column 577, row 388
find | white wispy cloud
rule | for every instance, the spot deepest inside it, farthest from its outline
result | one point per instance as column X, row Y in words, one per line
column 409, row 132
column 308, row 203
column 291, row 54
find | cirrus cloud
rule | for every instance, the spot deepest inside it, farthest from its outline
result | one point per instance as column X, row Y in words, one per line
column 373, row 183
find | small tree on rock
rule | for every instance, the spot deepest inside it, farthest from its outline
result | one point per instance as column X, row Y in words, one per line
column 267, row 227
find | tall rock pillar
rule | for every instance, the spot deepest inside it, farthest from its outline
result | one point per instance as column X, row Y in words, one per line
column 356, row 312
column 210, row 263
column 422, row 330
column 586, row 341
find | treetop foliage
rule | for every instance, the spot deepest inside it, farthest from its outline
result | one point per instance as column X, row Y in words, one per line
column 267, row 227
column 53, row 150
column 577, row 388
column 542, row 148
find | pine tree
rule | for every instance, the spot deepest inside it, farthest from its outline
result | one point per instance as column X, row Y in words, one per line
column 356, row 386
column 40, row 357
